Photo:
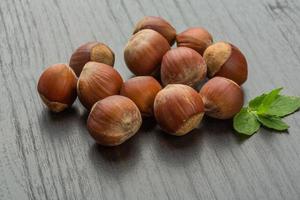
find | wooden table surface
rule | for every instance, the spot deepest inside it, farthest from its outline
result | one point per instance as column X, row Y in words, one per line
column 51, row 156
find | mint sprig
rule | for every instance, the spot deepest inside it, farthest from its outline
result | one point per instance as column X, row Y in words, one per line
column 266, row 110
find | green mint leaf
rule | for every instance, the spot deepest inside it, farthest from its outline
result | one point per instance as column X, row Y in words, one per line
column 245, row 122
column 284, row 105
column 273, row 122
column 268, row 100
column 256, row 102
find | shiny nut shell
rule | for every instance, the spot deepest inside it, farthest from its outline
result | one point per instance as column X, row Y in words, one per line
column 157, row 24
column 57, row 87
column 144, row 51
column 142, row 90
column 196, row 38
column 226, row 60
column 96, row 82
column 91, row 51
column 114, row 120
column 178, row 109
column 222, row 98
column 183, row 65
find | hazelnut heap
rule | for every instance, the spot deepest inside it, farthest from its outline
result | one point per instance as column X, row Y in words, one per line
column 222, row 98
column 226, row 60
column 142, row 91
column 116, row 108
column 182, row 65
column 178, row 109
column 114, row 120
column 196, row 38
column 57, row 87
column 97, row 81
column 91, row 51
column 144, row 51
column 157, row 24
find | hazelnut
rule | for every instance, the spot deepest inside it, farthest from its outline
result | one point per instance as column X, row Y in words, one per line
column 144, row 51
column 183, row 65
column 142, row 91
column 114, row 120
column 226, row 60
column 222, row 98
column 91, row 51
column 57, row 87
column 157, row 24
column 178, row 109
column 97, row 81
column 196, row 38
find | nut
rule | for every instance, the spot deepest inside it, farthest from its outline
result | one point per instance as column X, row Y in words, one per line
column 114, row 120
column 196, row 38
column 144, row 51
column 157, row 24
column 183, row 65
column 57, row 87
column 178, row 109
column 222, row 98
column 142, row 91
column 91, row 51
column 97, row 81
column 226, row 60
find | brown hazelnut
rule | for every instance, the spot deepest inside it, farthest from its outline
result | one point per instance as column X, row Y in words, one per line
column 196, row 38
column 91, row 51
column 142, row 91
column 226, row 60
column 97, row 81
column 178, row 109
column 157, row 24
column 222, row 98
column 182, row 65
column 57, row 87
column 114, row 120
column 144, row 51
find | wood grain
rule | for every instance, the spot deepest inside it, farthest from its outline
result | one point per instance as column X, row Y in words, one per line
column 51, row 156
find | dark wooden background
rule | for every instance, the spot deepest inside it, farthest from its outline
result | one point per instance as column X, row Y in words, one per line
column 48, row 156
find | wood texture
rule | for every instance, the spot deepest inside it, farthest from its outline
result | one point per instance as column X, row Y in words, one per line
column 51, row 156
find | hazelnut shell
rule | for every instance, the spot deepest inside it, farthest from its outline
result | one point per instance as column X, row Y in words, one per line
column 178, row 109
column 114, row 120
column 157, row 24
column 226, row 60
column 196, row 38
column 96, row 82
column 57, row 87
column 222, row 98
column 91, row 51
column 144, row 51
column 183, row 65
column 142, row 90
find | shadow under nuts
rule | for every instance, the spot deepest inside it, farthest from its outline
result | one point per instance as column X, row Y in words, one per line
column 91, row 51
column 57, row 87
column 114, row 120
column 196, row 38
column 226, row 60
column 182, row 65
column 222, row 98
column 144, row 51
column 142, row 91
column 97, row 81
column 157, row 24
column 178, row 109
